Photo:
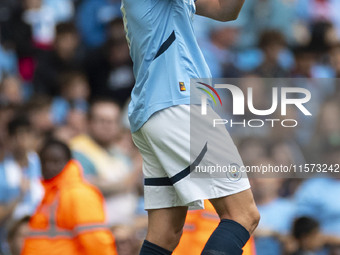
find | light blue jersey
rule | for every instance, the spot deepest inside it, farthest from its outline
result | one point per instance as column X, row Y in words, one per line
column 165, row 53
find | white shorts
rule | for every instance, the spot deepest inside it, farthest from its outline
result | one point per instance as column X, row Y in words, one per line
column 177, row 176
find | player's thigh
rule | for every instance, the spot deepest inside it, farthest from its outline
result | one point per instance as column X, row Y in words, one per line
column 239, row 207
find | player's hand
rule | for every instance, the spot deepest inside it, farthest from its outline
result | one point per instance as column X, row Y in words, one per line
column 222, row 10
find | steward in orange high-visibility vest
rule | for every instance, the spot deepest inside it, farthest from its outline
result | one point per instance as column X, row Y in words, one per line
column 198, row 227
column 70, row 219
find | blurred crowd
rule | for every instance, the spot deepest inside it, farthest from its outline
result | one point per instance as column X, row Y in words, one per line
column 66, row 74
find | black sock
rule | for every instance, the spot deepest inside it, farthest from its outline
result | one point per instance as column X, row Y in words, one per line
column 149, row 248
column 227, row 239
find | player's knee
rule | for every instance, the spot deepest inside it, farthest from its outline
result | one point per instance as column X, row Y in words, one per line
column 251, row 219
column 254, row 219
column 248, row 218
column 174, row 238
column 168, row 239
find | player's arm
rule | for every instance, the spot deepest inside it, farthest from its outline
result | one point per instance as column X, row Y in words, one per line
column 222, row 10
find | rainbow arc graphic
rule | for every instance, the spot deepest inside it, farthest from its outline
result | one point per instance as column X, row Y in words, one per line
column 209, row 93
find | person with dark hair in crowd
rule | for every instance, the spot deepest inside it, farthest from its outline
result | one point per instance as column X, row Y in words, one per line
column 218, row 49
column 323, row 36
column 306, row 232
column 42, row 21
column 11, row 91
column 271, row 42
column 38, row 110
column 309, row 62
column 115, row 30
column 21, row 167
column 92, row 18
column 110, row 72
column 7, row 112
column 20, row 189
column 62, row 58
column 70, row 218
column 7, row 7
column 277, row 213
column 74, row 94
column 318, row 197
column 304, row 62
column 16, row 35
column 308, row 237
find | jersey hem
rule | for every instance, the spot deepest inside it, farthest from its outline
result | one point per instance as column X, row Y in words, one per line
column 136, row 125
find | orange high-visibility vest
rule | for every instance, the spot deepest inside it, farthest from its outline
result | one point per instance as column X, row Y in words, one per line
column 199, row 225
column 70, row 219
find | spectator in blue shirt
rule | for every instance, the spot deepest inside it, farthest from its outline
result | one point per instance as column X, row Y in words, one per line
column 63, row 9
column 218, row 48
column 92, row 18
column 20, row 189
column 8, row 61
column 74, row 95
column 319, row 198
column 277, row 214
